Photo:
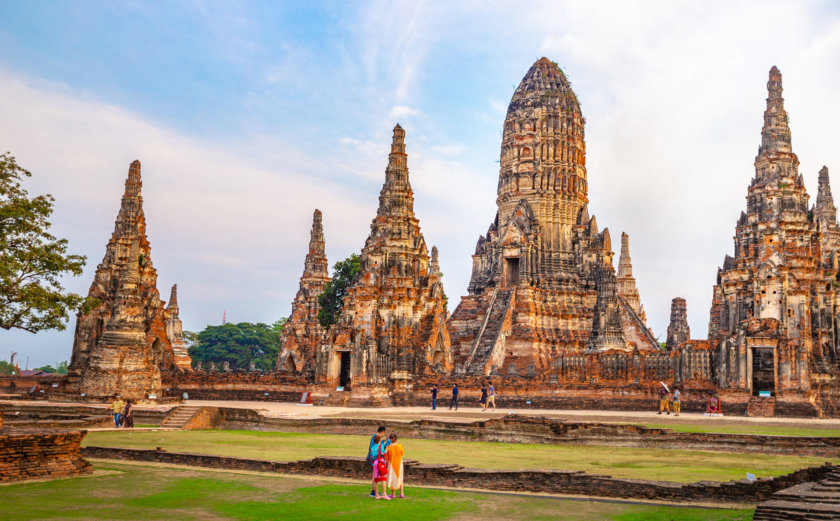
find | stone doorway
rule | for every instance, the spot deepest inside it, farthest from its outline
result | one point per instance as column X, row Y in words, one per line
column 511, row 271
column 763, row 370
column 344, row 370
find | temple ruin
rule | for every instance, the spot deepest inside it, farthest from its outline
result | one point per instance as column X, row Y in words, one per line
column 392, row 327
column 543, row 284
column 124, row 342
column 303, row 333
column 775, row 309
column 678, row 330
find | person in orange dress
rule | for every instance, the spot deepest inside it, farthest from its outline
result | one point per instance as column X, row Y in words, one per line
column 394, row 457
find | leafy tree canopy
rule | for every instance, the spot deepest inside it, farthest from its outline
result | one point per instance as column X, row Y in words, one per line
column 331, row 300
column 239, row 344
column 32, row 261
column 60, row 368
column 7, row 368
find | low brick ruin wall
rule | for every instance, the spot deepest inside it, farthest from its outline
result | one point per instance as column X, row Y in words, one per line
column 32, row 453
column 527, row 429
column 545, row 481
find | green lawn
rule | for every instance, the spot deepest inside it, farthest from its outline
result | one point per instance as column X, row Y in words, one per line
column 640, row 463
column 749, row 429
column 150, row 492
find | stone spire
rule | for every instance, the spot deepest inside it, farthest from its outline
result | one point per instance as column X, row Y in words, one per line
column 775, row 134
column 825, row 210
column 172, row 305
column 129, row 320
column 396, row 197
column 626, row 282
column 678, row 330
column 434, row 267
column 315, row 264
column 393, row 318
column 303, row 332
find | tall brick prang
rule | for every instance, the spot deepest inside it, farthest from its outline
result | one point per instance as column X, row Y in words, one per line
column 678, row 330
column 393, row 321
column 543, row 284
column 123, row 343
column 303, row 332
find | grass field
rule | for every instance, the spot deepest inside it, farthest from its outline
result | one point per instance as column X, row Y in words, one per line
column 640, row 463
column 149, row 492
column 754, row 428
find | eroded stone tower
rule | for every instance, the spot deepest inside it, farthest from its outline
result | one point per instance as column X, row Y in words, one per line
column 774, row 313
column 303, row 333
column 542, row 282
column 123, row 343
column 392, row 325
column 678, row 330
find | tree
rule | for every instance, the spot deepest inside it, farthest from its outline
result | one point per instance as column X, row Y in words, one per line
column 60, row 368
column 6, row 368
column 239, row 344
column 332, row 298
column 32, row 261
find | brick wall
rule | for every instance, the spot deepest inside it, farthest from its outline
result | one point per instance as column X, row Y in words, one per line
column 29, row 454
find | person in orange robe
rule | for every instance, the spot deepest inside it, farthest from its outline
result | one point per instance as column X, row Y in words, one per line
column 394, row 457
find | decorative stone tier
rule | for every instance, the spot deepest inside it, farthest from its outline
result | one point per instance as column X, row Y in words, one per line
column 540, row 481
column 38, row 454
column 815, row 501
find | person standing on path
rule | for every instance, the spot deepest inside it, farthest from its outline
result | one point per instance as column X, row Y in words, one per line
column 117, row 407
column 128, row 417
column 483, row 400
column 454, row 400
column 434, row 396
column 663, row 400
column 676, row 401
column 491, row 398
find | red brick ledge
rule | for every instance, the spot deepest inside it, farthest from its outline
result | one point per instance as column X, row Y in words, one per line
column 455, row 476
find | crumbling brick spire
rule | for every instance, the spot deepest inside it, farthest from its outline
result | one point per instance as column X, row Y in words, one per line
column 626, row 282
column 775, row 134
column 127, row 330
column 303, row 332
column 678, row 330
column 434, row 266
column 315, row 264
column 825, row 210
column 172, row 305
column 396, row 197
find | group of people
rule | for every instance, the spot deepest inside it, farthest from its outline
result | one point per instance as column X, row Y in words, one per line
column 669, row 401
column 122, row 413
column 385, row 455
column 487, row 399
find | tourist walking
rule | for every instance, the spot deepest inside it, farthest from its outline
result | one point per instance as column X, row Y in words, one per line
column 434, row 396
column 128, row 417
column 677, row 402
column 454, row 400
column 394, row 456
column 483, row 400
column 117, row 406
column 663, row 399
column 372, row 453
column 491, row 396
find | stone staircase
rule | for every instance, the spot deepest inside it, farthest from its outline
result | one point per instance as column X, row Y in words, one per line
column 761, row 407
column 489, row 332
column 806, row 502
column 180, row 416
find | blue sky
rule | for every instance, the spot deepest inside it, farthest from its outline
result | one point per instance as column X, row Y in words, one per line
column 248, row 115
